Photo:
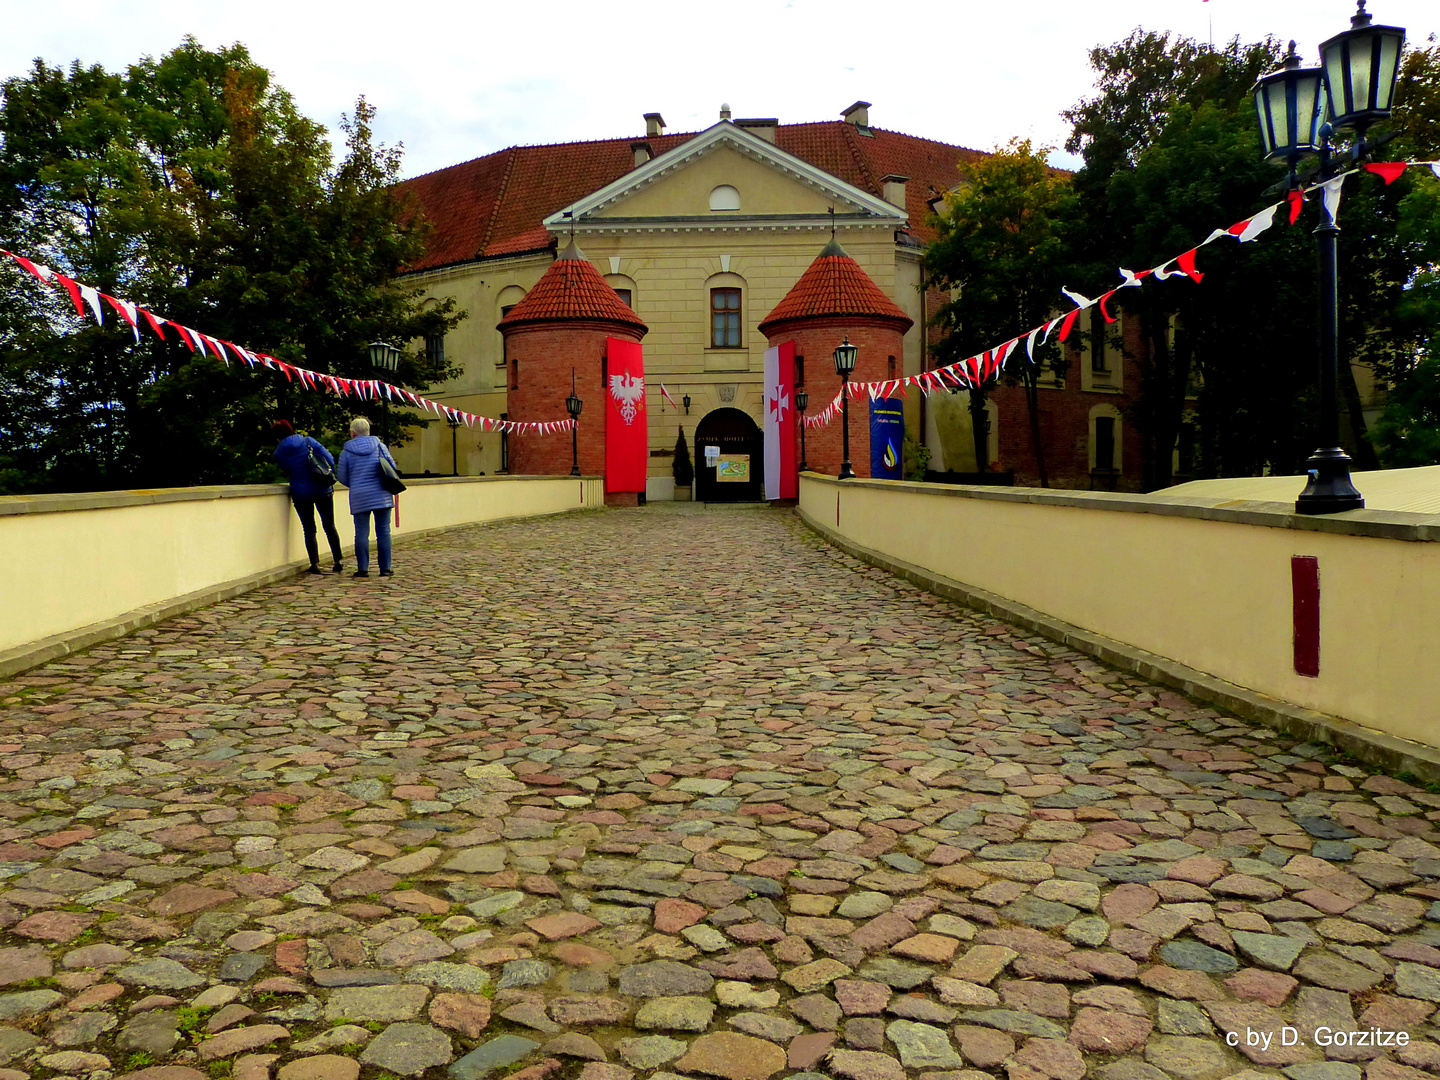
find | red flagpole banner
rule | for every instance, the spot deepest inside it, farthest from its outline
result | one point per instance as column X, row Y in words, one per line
column 782, row 481
column 627, row 430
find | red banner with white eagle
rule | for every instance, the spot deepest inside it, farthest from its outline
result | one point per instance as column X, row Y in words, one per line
column 627, row 441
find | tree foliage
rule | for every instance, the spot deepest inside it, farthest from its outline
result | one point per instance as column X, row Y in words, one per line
column 1170, row 152
column 193, row 186
column 1002, row 249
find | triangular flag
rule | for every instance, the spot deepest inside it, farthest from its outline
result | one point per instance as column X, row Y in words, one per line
column 126, row 310
column 92, row 297
column 1258, row 224
column 1297, row 200
column 158, row 325
column 1186, row 262
column 1388, row 170
column 1331, row 194
column 73, row 288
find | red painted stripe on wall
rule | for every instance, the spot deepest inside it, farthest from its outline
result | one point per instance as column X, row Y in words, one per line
column 1305, row 595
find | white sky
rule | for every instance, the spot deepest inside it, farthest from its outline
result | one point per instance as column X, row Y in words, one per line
column 455, row 80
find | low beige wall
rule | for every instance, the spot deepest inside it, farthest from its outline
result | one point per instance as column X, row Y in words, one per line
column 1202, row 582
column 79, row 561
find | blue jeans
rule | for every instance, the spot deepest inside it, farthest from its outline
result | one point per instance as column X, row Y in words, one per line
column 382, row 539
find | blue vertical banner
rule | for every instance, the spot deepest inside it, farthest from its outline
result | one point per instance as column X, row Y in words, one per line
column 887, row 439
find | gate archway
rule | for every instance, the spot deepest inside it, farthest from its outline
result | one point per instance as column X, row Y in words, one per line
column 733, row 433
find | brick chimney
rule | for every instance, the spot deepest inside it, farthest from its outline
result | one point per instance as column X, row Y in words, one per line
column 762, row 126
column 892, row 189
column 654, row 125
column 858, row 114
column 643, row 152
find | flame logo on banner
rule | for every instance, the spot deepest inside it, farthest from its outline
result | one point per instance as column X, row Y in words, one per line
column 627, row 390
column 890, row 459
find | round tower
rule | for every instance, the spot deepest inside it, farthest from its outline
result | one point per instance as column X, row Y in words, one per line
column 560, row 325
column 835, row 299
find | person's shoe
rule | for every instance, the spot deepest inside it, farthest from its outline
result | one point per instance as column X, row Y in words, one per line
column 314, row 569
column 387, row 573
column 337, row 567
column 361, row 573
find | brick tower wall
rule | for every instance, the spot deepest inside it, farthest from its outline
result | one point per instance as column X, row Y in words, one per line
column 815, row 339
column 539, row 357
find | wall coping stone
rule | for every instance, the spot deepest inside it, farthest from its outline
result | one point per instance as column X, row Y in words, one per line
column 105, row 500
column 1377, row 524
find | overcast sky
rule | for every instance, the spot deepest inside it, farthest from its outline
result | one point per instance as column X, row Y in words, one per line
column 455, row 80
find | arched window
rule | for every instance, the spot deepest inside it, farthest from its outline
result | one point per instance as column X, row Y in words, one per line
column 624, row 287
column 725, row 197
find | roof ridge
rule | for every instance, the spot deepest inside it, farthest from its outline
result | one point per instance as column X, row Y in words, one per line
column 861, row 165
column 512, row 153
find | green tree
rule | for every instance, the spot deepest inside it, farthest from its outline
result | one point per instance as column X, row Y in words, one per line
column 1001, row 247
column 1171, row 152
column 193, row 186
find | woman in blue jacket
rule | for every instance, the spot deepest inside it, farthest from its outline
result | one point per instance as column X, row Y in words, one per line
column 359, row 470
column 309, row 492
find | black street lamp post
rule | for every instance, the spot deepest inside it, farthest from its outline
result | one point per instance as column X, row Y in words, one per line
column 384, row 363
column 454, row 422
column 845, row 354
column 802, row 402
column 572, row 406
column 1357, row 75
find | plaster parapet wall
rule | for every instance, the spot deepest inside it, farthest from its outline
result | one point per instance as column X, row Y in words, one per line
column 1203, row 584
column 84, row 567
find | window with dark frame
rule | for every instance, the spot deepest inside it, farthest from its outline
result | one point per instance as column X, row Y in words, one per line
column 725, row 318
column 515, row 374
column 604, row 371
column 799, row 370
column 435, row 348
column 891, row 368
column 1097, row 343
column 1104, row 444
column 504, row 342
column 504, row 446
column 627, row 296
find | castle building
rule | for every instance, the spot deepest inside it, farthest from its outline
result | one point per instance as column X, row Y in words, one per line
column 708, row 247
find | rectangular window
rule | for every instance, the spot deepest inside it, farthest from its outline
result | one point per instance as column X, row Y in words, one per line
column 1104, row 444
column 891, row 368
column 725, row 318
column 435, row 348
column 604, row 371
column 504, row 343
column 627, row 296
column 799, row 370
column 504, row 446
column 515, row 374
column 1097, row 341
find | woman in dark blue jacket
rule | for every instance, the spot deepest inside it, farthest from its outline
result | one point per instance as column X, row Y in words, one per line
column 359, row 470
column 307, row 491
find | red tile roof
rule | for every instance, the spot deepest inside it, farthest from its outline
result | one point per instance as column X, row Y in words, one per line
column 572, row 289
column 834, row 284
column 494, row 205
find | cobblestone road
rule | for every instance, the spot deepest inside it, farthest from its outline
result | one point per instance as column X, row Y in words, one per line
column 680, row 792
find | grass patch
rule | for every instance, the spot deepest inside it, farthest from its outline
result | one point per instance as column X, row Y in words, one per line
column 189, row 1017
column 139, row 1060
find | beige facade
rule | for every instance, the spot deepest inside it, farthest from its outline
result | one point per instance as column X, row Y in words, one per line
column 654, row 232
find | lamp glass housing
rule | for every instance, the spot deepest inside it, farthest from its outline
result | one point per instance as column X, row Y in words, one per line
column 802, row 400
column 380, row 356
column 845, row 354
column 573, row 405
column 1361, row 65
column 1289, row 109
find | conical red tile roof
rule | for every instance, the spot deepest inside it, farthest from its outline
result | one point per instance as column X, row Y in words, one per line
column 572, row 289
column 834, row 284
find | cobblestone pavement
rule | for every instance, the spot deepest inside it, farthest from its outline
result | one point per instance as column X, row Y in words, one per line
column 680, row 792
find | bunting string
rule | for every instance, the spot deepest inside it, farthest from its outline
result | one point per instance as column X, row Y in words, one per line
column 85, row 297
column 975, row 371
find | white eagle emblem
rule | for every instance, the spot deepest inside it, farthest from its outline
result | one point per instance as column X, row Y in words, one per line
column 628, row 391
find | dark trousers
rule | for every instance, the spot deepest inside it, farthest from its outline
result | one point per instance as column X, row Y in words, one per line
column 306, row 509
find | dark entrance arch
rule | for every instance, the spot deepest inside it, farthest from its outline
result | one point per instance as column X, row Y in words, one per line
column 733, row 432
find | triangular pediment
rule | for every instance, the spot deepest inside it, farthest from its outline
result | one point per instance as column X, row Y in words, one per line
column 768, row 183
